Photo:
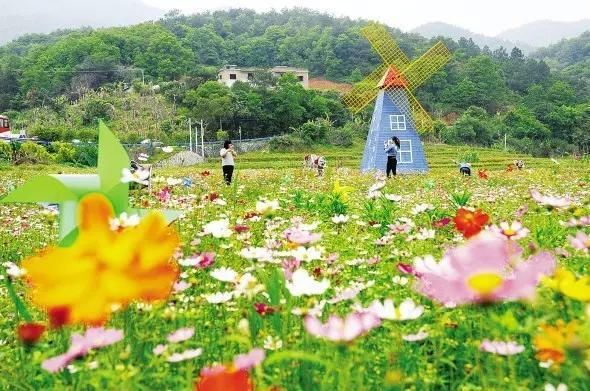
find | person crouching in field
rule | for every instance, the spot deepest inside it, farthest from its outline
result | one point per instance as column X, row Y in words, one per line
column 391, row 148
column 227, row 154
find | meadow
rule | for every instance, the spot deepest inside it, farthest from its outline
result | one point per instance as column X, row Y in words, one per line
column 289, row 281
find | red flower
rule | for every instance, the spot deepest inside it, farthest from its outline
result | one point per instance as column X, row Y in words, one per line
column 224, row 379
column 212, row 196
column 483, row 174
column 317, row 272
column 510, row 168
column 264, row 309
column 405, row 268
column 29, row 333
column 58, row 316
column 470, row 223
column 442, row 222
column 205, row 173
column 249, row 215
column 241, row 228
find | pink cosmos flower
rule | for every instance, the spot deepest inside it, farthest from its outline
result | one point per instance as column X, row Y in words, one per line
column 249, row 360
column 501, row 348
column 302, row 237
column 200, row 261
column 181, row 335
column 485, row 269
column 165, row 194
column 550, row 201
column 94, row 338
column 180, row 286
column 160, row 349
column 289, row 266
column 581, row 241
column 342, row 330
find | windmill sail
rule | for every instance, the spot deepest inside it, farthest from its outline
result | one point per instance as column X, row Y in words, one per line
column 428, row 64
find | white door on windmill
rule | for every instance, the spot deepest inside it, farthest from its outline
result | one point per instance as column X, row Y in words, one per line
column 406, row 156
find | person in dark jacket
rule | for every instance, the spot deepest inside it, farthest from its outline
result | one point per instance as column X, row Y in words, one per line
column 391, row 149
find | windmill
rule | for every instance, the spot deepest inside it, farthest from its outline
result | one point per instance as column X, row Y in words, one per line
column 397, row 111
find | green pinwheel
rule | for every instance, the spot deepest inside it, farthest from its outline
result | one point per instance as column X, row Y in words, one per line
column 68, row 190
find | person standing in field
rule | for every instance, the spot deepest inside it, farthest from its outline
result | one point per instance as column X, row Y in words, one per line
column 227, row 154
column 391, row 149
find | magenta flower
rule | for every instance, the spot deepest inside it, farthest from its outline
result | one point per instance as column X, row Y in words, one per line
column 165, row 194
column 342, row 330
column 289, row 267
column 181, row 335
column 80, row 345
column 249, row 360
column 550, row 201
column 485, row 269
column 302, row 237
column 581, row 241
column 501, row 348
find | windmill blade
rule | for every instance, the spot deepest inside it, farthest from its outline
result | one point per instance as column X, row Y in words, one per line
column 423, row 68
column 385, row 46
column 364, row 91
column 407, row 103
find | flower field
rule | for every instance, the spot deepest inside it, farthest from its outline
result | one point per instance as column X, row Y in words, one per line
column 287, row 281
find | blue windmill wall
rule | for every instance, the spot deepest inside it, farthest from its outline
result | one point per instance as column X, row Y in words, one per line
column 411, row 158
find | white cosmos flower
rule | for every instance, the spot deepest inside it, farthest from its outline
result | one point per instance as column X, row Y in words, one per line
column 272, row 343
column 261, row 254
column 139, row 176
column 340, row 219
column 224, row 274
column 393, row 197
column 267, row 207
column 377, row 186
column 421, row 335
column 399, row 280
column 407, row 310
column 168, row 149
column 551, row 387
column 421, row 208
column 248, row 285
column 303, row 284
column 218, row 229
column 186, row 355
column 123, row 221
column 219, row 297
column 306, row 254
column 173, row 181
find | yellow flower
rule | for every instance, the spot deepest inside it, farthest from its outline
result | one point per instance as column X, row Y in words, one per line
column 552, row 342
column 566, row 282
column 104, row 269
column 342, row 191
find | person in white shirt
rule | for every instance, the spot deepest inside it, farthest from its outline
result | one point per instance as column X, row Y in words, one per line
column 227, row 154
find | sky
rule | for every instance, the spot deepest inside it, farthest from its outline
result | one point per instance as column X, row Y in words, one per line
column 489, row 17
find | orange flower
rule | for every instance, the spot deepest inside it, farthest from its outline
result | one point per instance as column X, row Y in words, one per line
column 483, row 174
column 224, row 379
column 104, row 269
column 551, row 343
column 29, row 333
column 470, row 223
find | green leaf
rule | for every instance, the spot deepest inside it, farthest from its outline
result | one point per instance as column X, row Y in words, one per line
column 119, row 197
column 69, row 238
column 19, row 305
column 296, row 355
column 41, row 189
column 112, row 158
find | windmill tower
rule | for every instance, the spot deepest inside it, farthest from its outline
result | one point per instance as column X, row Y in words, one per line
column 397, row 111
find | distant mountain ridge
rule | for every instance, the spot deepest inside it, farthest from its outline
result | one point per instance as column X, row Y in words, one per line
column 33, row 16
column 528, row 37
column 546, row 32
column 436, row 29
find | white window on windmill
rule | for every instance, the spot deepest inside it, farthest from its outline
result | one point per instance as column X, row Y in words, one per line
column 397, row 122
column 406, row 156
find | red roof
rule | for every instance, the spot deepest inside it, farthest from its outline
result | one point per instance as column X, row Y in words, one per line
column 393, row 78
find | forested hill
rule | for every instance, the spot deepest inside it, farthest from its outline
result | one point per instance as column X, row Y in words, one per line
column 482, row 94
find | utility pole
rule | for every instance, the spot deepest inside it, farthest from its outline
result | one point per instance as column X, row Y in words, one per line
column 190, row 135
column 202, row 140
column 240, row 130
column 505, row 140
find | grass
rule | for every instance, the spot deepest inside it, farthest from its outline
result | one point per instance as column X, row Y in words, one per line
column 449, row 359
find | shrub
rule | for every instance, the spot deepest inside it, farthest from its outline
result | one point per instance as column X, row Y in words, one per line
column 32, row 153
column 88, row 135
column 132, row 137
column 64, row 152
column 95, row 109
column 316, row 130
column 86, row 155
column 49, row 134
column 5, row 152
column 287, row 143
column 342, row 137
column 468, row 157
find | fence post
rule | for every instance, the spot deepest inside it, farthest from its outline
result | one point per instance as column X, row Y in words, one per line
column 190, row 135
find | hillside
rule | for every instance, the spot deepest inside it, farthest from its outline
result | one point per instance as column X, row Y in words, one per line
column 32, row 16
column 546, row 32
column 439, row 29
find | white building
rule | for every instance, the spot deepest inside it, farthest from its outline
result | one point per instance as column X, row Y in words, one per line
column 232, row 73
